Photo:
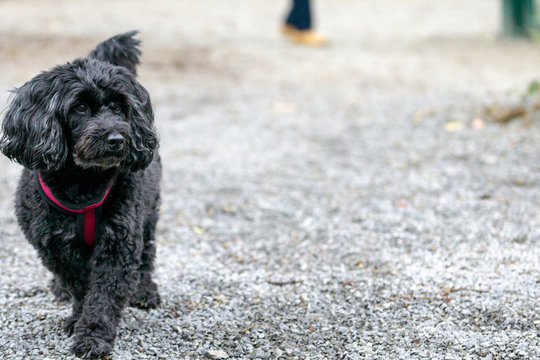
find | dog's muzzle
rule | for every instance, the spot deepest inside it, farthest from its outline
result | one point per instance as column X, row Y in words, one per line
column 102, row 146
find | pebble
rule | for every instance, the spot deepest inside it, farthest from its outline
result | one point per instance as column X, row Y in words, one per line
column 217, row 354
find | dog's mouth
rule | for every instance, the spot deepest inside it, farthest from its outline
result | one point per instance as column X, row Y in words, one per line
column 101, row 152
column 106, row 161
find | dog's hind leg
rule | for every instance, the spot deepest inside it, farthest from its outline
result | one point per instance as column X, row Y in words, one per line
column 146, row 296
column 70, row 321
column 61, row 294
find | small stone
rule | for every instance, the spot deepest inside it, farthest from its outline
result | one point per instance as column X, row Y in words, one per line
column 221, row 298
column 260, row 354
column 217, row 354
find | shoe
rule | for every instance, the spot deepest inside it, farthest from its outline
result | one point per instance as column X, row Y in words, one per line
column 304, row 37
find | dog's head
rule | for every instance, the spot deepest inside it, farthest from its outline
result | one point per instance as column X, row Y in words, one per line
column 91, row 112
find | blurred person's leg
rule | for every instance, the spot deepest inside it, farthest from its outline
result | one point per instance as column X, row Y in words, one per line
column 298, row 25
column 300, row 15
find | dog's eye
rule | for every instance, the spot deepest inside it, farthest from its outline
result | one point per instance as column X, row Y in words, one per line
column 81, row 108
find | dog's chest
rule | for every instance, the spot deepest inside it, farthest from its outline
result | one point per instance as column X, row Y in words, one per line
column 49, row 227
column 86, row 214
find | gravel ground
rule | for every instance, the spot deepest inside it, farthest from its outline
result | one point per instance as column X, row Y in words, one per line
column 337, row 203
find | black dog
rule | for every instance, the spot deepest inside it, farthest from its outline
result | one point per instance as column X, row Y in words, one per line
column 88, row 197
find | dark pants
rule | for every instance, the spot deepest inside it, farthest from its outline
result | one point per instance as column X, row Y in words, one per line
column 300, row 15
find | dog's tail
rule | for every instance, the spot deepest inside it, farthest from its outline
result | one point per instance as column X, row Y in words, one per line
column 121, row 50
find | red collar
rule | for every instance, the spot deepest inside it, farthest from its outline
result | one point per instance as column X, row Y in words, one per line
column 87, row 214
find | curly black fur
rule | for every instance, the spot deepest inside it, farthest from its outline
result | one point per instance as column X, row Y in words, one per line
column 80, row 125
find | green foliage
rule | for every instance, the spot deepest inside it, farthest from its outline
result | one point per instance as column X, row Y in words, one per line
column 534, row 87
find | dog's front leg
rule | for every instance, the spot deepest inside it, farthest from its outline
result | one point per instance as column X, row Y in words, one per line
column 113, row 278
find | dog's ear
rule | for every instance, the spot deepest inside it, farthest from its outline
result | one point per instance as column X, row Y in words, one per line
column 32, row 134
column 143, row 137
column 120, row 50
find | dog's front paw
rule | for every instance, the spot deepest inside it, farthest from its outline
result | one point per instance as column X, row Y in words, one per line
column 93, row 338
column 146, row 297
column 91, row 347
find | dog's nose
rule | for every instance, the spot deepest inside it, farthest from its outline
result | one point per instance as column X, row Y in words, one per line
column 115, row 141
